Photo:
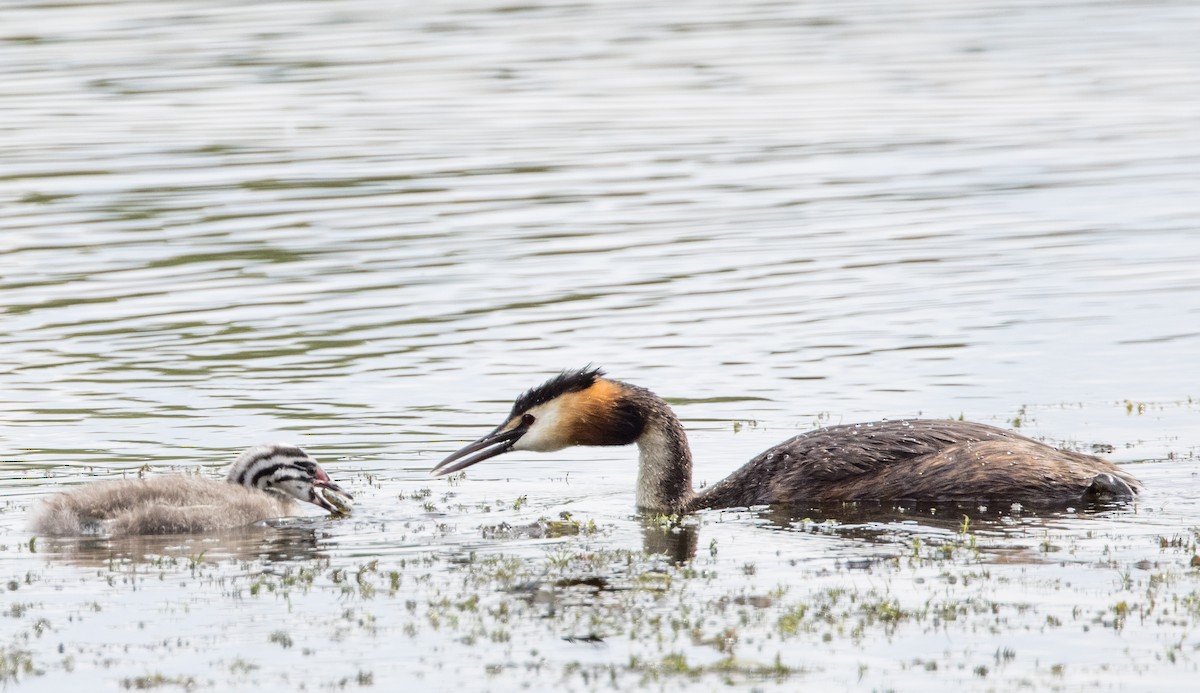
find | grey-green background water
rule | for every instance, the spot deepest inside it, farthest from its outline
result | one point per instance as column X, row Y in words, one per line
column 365, row 226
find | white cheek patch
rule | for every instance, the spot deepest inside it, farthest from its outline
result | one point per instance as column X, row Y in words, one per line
column 545, row 434
column 300, row 490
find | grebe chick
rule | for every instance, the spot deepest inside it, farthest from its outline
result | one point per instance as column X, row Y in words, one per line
column 914, row 460
column 263, row 483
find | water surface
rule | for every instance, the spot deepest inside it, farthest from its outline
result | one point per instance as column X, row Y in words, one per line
column 365, row 227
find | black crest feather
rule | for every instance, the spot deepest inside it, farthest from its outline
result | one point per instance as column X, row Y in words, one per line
column 561, row 384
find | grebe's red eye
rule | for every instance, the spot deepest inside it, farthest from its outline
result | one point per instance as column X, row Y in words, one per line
column 527, row 420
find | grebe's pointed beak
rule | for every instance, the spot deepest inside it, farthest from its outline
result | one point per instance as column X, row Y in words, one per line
column 495, row 443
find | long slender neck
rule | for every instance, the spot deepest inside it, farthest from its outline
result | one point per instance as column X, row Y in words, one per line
column 665, row 470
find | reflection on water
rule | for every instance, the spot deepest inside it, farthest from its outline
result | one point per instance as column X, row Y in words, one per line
column 364, row 226
column 677, row 540
column 939, row 516
column 274, row 544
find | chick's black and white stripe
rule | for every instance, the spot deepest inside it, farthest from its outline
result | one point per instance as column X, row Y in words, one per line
column 259, row 465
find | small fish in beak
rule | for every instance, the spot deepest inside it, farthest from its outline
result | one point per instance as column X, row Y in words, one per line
column 329, row 496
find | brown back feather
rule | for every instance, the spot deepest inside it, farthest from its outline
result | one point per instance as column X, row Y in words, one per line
column 910, row 459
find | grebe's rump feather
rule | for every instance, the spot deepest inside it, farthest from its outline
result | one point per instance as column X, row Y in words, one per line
column 178, row 504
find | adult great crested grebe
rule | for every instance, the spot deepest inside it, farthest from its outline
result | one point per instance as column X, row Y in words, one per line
column 262, row 484
column 909, row 459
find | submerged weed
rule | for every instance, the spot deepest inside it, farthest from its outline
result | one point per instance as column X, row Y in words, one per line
column 156, row 680
column 16, row 663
